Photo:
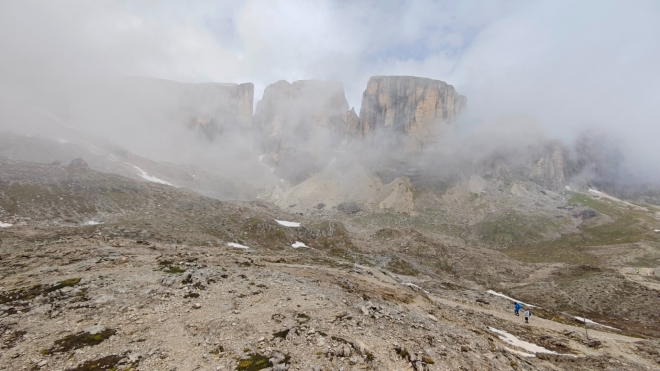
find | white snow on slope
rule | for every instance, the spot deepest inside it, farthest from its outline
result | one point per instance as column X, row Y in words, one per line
column 657, row 230
column 522, row 354
column 92, row 222
column 5, row 225
column 605, row 195
column 237, row 245
column 513, row 340
column 298, row 244
column 510, row 298
column 288, row 224
column 582, row 319
column 269, row 168
column 409, row 284
column 143, row 174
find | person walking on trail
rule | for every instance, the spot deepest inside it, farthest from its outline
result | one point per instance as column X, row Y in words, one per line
column 516, row 308
column 527, row 315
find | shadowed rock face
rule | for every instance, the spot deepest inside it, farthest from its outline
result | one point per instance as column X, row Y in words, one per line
column 299, row 124
column 407, row 113
column 213, row 109
column 549, row 169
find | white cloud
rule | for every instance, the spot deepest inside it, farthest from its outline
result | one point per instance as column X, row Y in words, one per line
column 566, row 64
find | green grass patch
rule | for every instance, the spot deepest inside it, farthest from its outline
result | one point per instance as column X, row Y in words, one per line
column 628, row 226
column 34, row 291
column 400, row 266
column 79, row 340
column 110, row 363
column 513, row 229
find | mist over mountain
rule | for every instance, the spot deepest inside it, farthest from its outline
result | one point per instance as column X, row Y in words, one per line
column 329, row 185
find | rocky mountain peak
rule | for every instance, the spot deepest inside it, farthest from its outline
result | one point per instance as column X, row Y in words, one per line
column 297, row 125
column 406, row 112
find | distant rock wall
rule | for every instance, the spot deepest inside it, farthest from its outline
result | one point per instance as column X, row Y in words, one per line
column 549, row 169
column 298, row 125
column 212, row 109
column 407, row 113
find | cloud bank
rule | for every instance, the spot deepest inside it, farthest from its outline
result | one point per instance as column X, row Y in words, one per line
column 567, row 65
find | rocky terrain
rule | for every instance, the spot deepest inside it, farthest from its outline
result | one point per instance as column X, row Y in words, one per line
column 306, row 237
column 105, row 272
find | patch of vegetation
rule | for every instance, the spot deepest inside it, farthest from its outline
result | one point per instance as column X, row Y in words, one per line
column 79, row 340
column 173, row 269
column 217, row 350
column 34, row 291
column 629, row 226
column 388, row 233
column 441, row 265
column 110, row 363
column 400, row 266
column 11, row 338
column 402, row 352
column 254, row 363
column 513, row 229
column 341, row 253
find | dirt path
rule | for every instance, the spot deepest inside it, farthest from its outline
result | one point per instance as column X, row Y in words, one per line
column 536, row 321
column 641, row 279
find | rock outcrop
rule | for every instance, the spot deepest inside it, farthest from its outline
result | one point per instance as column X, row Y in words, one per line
column 299, row 124
column 212, row 109
column 548, row 171
column 407, row 113
column 347, row 186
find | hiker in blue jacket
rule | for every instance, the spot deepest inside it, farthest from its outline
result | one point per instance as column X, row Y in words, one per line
column 516, row 308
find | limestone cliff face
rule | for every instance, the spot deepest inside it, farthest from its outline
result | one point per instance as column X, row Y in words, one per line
column 212, row 109
column 299, row 124
column 407, row 113
column 548, row 171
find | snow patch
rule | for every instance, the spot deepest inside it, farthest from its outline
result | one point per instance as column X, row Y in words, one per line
column 568, row 188
column 513, row 340
column 587, row 320
column 522, row 354
column 606, row 196
column 5, row 225
column 143, row 174
column 657, row 230
column 237, row 245
column 269, row 168
column 409, row 284
column 288, row 224
column 298, row 244
column 510, row 298
column 92, row 222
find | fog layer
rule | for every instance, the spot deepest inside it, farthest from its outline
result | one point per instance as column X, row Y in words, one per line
column 566, row 66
